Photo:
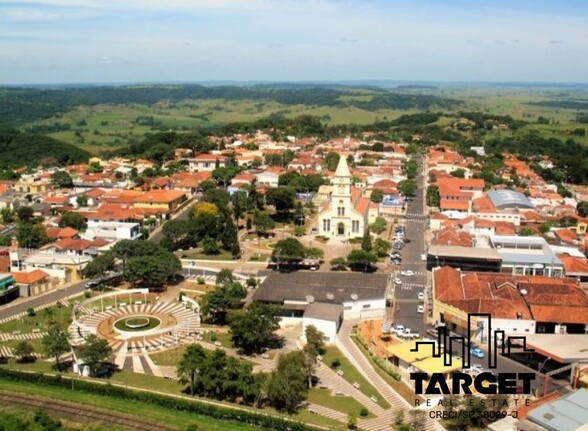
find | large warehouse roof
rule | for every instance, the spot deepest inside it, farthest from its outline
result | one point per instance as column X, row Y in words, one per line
column 509, row 199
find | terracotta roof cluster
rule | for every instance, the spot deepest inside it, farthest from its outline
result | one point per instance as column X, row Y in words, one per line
column 505, row 296
column 450, row 236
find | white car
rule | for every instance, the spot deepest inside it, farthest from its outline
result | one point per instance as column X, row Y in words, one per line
column 421, row 296
column 397, row 281
column 407, row 273
column 399, row 329
column 421, row 309
column 406, row 333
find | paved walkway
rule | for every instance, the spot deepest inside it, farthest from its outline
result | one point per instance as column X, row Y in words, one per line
column 386, row 417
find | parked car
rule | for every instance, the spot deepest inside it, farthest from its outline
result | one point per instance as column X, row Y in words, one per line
column 421, row 309
column 421, row 296
column 477, row 352
column 398, row 330
column 397, row 280
column 92, row 284
column 407, row 273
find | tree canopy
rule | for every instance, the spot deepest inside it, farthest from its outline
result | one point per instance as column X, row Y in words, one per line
column 253, row 329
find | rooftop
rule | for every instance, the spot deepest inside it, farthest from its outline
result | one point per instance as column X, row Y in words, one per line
column 321, row 286
column 509, row 198
column 568, row 413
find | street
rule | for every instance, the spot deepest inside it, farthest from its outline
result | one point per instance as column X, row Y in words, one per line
column 405, row 294
column 34, row 302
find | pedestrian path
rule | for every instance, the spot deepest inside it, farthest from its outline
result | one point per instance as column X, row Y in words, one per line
column 16, row 335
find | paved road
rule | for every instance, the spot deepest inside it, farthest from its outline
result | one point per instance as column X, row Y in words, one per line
column 56, row 295
column 183, row 214
column 406, row 293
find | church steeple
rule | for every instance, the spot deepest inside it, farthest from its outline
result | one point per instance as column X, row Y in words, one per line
column 342, row 168
column 342, row 180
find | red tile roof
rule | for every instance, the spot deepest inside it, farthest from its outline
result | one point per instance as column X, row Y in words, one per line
column 29, row 277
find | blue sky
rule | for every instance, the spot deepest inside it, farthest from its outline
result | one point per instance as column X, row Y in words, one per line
column 53, row 41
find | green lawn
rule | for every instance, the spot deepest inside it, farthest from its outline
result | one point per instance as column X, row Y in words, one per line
column 347, row 405
column 41, row 320
column 259, row 257
column 351, row 374
column 197, row 254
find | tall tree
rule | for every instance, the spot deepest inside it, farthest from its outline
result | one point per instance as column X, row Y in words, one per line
column 331, row 161
column 74, row 220
column 31, row 236
column 191, row 364
column 94, row 352
column 55, row 343
column 253, row 329
column 366, row 241
column 62, row 179
column 25, row 214
column 100, row 265
column 282, row 198
column 287, row 386
column 288, row 251
column 263, row 222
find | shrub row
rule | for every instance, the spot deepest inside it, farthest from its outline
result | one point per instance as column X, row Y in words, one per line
column 168, row 402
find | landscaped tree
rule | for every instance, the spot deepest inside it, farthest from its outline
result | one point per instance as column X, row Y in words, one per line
column 82, row 200
column 433, row 198
column 190, row 365
column 152, row 270
column 407, row 187
column 379, row 225
column 239, row 205
column 216, row 304
column 381, row 247
column 582, row 208
column 263, row 222
column 55, row 343
column 24, row 350
column 288, row 251
column 224, row 277
column 94, row 352
column 338, row 263
column 7, row 215
column 74, row 220
column 100, row 265
column 458, row 173
column 377, row 196
column 282, row 198
column 210, row 246
column 288, row 385
column 253, row 330
column 366, row 241
column 314, row 253
column 315, row 346
column 361, row 260
column 228, row 233
column 25, row 214
column 331, row 161
column 176, row 231
column 31, row 236
column 62, row 179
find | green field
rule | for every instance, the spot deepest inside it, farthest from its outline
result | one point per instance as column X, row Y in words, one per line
column 106, row 127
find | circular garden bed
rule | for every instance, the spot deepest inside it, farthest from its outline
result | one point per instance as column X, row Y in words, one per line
column 137, row 323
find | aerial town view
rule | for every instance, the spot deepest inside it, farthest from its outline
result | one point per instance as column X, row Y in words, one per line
column 294, row 215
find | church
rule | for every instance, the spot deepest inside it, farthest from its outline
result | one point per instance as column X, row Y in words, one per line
column 347, row 214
